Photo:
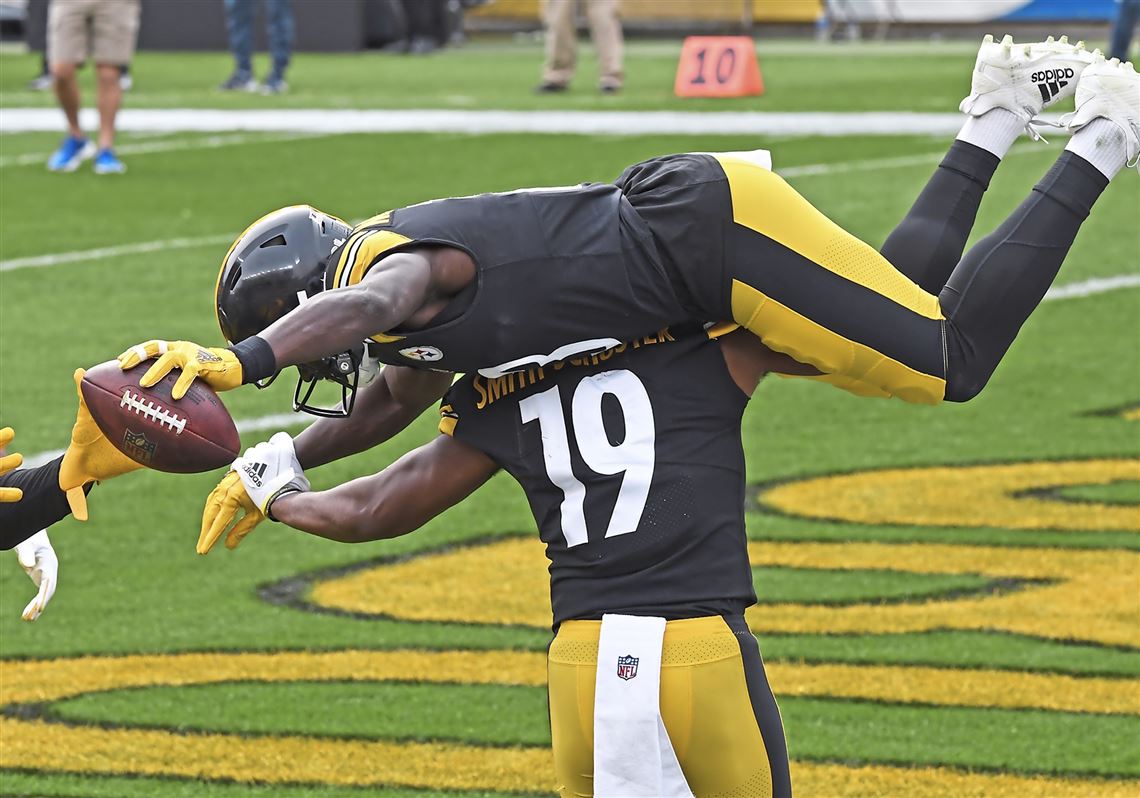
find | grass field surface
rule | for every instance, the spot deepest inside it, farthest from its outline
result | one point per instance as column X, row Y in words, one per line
column 948, row 596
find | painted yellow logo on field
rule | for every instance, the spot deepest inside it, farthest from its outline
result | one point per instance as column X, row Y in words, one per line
column 277, row 759
column 1008, row 496
column 1048, row 592
column 1071, row 594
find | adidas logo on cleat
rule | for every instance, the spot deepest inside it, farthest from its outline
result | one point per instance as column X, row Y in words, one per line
column 1051, row 81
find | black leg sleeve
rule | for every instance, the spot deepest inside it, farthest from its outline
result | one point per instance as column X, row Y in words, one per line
column 928, row 243
column 1004, row 276
column 43, row 503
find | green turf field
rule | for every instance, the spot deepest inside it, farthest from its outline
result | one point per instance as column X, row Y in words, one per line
column 932, row 626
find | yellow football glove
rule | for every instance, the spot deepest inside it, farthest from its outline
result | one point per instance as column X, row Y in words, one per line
column 90, row 457
column 218, row 368
column 222, row 506
column 9, row 463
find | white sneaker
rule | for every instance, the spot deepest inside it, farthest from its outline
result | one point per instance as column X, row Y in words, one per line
column 1024, row 78
column 1111, row 90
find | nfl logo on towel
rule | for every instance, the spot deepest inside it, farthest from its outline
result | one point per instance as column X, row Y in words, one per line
column 626, row 667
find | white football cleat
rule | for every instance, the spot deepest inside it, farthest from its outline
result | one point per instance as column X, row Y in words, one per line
column 1111, row 90
column 1024, row 78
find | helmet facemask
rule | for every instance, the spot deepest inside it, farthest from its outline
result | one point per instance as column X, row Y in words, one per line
column 350, row 370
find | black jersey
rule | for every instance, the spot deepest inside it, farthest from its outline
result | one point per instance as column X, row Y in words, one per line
column 632, row 463
column 559, row 272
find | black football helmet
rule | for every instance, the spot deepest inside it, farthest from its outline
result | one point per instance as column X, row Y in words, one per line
column 274, row 266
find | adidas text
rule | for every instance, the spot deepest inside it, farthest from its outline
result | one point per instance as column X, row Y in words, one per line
column 255, row 472
column 1052, row 75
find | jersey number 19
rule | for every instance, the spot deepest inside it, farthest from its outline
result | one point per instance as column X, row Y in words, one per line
column 633, row 457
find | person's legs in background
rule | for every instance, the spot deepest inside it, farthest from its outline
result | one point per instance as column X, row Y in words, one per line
column 605, row 30
column 239, row 27
column 67, row 43
column 1123, row 28
column 426, row 28
column 109, row 98
column 279, row 18
column 114, row 29
column 561, row 44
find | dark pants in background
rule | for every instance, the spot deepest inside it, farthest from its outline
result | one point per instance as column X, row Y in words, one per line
column 239, row 25
column 1126, row 20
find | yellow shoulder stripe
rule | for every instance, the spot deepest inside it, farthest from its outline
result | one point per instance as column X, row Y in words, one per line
column 361, row 250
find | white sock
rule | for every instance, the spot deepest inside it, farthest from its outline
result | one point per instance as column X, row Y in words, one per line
column 995, row 130
column 1102, row 144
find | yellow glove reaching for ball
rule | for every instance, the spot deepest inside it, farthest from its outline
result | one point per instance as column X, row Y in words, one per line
column 90, row 457
column 9, row 463
column 218, row 368
column 221, row 511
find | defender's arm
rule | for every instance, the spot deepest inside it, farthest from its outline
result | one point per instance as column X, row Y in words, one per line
column 396, row 501
column 748, row 360
column 393, row 401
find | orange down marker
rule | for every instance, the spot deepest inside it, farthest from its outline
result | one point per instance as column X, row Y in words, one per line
column 718, row 66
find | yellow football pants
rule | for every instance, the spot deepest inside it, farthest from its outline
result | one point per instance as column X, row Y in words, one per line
column 715, row 701
column 812, row 290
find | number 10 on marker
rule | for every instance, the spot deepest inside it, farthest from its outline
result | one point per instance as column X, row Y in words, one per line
column 718, row 66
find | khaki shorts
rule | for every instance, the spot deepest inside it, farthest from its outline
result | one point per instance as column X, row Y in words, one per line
column 102, row 30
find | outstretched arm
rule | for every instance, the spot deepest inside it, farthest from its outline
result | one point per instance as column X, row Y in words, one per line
column 394, row 400
column 337, row 320
column 332, row 322
column 398, row 500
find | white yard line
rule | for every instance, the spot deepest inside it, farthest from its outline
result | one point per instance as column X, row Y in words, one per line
column 78, row 256
column 1092, row 286
column 99, row 253
column 167, row 145
column 893, row 162
column 276, row 421
column 598, row 123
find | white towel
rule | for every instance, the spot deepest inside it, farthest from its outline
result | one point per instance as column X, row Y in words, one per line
column 761, row 158
column 633, row 757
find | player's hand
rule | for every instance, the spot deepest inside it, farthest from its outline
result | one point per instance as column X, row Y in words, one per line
column 9, row 463
column 218, row 368
column 39, row 562
column 270, row 470
column 223, row 506
column 90, row 457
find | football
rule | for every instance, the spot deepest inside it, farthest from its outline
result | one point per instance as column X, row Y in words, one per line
column 193, row 434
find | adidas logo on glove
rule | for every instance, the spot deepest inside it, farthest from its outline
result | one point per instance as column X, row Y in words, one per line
column 255, row 472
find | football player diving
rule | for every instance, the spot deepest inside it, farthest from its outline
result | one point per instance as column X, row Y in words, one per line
column 496, row 283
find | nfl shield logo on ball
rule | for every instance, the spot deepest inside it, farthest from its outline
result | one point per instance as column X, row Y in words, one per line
column 138, row 447
column 626, row 667
column 424, row 354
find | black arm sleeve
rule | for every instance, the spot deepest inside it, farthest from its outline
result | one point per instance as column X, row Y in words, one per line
column 43, row 503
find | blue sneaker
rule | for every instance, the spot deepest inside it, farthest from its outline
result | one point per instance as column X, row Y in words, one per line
column 70, row 154
column 107, row 163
